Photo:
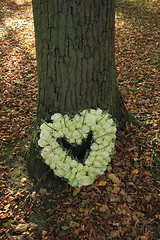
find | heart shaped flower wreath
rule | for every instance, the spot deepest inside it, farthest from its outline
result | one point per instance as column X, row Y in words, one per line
column 90, row 122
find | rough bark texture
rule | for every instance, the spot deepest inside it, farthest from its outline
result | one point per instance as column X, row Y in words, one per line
column 76, row 57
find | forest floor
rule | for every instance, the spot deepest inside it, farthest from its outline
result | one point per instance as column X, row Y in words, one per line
column 127, row 207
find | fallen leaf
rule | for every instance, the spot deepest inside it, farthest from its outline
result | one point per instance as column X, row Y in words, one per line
column 135, row 171
column 21, row 227
column 104, row 208
column 112, row 176
column 76, row 191
column 102, row 183
column 23, row 180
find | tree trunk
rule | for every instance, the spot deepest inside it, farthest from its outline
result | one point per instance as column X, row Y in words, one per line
column 75, row 48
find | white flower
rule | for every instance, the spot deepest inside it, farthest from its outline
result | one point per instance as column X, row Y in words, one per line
column 76, row 134
column 60, row 134
column 99, row 171
column 56, row 159
column 90, row 119
column 97, row 164
column 79, row 167
column 66, row 168
column 71, row 128
column 59, row 172
column 57, row 125
column 79, row 141
column 94, row 147
column 42, row 142
column 50, row 156
column 75, row 130
column 73, row 163
column 85, row 129
column 78, row 125
column 56, row 116
column 84, row 181
column 53, row 143
column 98, row 111
column 52, row 165
column 74, row 183
column 45, row 135
column 65, row 131
column 89, row 161
column 83, row 113
column 77, row 118
column 58, row 151
column 48, row 127
column 45, row 151
column 48, row 161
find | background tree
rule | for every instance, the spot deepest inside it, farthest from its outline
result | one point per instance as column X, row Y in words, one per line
column 75, row 47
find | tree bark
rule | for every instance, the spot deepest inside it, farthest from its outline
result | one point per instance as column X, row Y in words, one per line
column 75, row 45
column 76, row 57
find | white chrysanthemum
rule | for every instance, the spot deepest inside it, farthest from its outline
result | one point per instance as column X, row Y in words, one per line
column 69, row 123
column 78, row 176
column 42, row 142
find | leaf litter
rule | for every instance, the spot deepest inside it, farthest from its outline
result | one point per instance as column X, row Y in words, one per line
column 124, row 202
